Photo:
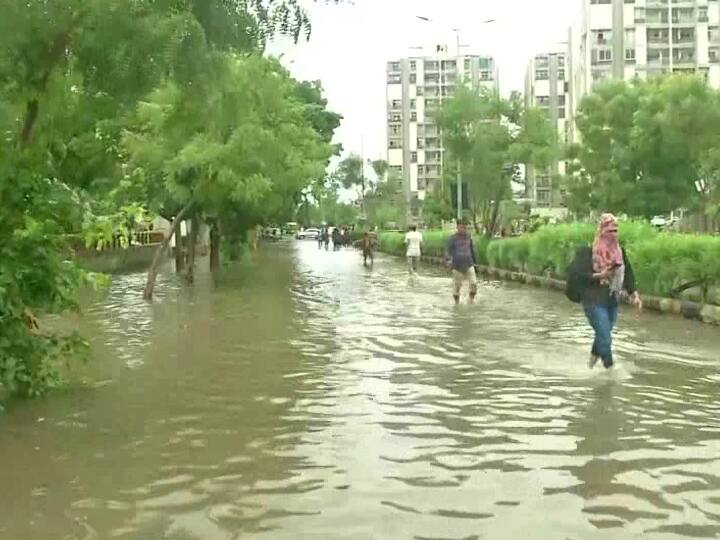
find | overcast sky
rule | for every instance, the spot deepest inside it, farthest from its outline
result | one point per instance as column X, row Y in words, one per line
column 351, row 44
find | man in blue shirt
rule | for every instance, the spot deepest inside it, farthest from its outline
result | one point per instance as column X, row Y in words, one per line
column 461, row 258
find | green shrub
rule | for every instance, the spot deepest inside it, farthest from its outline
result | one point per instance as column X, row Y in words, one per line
column 668, row 262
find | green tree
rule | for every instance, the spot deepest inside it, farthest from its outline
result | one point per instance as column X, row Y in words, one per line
column 385, row 202
column 488, row 136
column 645, row 144
column 72, row 73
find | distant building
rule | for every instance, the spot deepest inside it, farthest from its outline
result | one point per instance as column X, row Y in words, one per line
column 624, row 39
column 547, row 87
column 416, row 87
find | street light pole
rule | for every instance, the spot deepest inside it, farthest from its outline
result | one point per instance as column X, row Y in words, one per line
column 457, row 80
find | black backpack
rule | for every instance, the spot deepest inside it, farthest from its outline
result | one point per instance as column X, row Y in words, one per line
column 574, row 286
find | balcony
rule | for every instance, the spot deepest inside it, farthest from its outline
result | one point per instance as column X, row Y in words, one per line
column 654, row 61
column 687, row 59
column 683, row 38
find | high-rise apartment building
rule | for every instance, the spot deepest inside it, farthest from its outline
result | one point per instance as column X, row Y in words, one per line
column 644, row 38
column 416, row 89
column 546, row 87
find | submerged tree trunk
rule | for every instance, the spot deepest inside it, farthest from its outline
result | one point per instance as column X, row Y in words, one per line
column 161, row 250
column 179, row 251
column 192, row 247
column 215, row 246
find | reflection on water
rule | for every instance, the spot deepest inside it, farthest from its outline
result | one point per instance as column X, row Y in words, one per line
column 307, row 397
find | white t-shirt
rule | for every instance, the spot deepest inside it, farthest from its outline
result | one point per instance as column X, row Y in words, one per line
column 413, row 239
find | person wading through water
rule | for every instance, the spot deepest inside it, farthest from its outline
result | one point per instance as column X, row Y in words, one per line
column 461, row 258
column 599, row 278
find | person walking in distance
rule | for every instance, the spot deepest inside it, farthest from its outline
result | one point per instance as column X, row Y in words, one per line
column 461, row 258
column 413, row 241
column 599, row 278
column 367, row 244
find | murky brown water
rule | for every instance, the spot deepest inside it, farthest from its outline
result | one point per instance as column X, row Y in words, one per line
column 315, row 399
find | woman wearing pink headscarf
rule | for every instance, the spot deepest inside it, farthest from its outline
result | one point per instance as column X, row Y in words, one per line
column 599, row 278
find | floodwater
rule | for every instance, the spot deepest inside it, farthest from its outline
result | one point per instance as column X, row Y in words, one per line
column 303, row 396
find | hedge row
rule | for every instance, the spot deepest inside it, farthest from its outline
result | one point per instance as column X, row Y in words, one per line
column 664, row 263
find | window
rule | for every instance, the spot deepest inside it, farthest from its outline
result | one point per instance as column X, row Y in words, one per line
column 395, row 143
column 396, row 103
column 467, row 64
column 561, row 74
column 630, row 37
column 396, row 118
column 394, row 66
column 600, row 1
column 413, row 78
column 602, row 37
column 394, row 79
column 485, row 76
column 484, row 63
column 630, row 55
column 561, row 61
column 394, row 130
column 396, row 168
column 420, row 91
column 713, row 55
column 413, row 65
column 561, row 101
column 413, row 157
column 421, row 144
column 604, row 55
column 599, row 74
column 561, row 113
column 541, row 74
column 639, row 14
column 543, row 197
column 413, row 116
column 702, row 14
column 412, row 104
column 542, row 101
column 713, row 34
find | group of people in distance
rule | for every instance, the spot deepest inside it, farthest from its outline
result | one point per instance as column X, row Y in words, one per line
column 340, row 238
column 599, row 278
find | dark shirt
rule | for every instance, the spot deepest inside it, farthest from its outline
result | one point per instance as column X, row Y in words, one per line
column 594, row 292
column 461, row 252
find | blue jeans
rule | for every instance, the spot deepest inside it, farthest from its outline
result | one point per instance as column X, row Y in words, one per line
column 602, row 318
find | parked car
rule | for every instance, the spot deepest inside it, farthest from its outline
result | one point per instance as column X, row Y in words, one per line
column 659, row 221
column 308, row 234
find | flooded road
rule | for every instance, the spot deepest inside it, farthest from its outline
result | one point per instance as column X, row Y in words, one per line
column 306, row 397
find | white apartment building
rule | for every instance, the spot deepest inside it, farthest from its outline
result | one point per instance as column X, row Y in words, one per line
column 643, row 38
column 416, row 88
column 547, row 87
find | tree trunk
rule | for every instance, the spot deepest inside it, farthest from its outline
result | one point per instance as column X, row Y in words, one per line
column 179, row 251
column 492, row 219
column 192, row 245
column 162, row 248
column 215, row 246
column 31, row 115
column 55, row 53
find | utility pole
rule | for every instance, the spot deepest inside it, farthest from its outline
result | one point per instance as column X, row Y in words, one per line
column 457, row 81
column 362, row 176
